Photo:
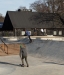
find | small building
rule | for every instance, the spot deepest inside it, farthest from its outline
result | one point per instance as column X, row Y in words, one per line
column 19, row 21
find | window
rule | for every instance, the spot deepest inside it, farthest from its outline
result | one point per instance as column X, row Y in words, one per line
column 60, row 32
column 23, row 33
column 55, row 33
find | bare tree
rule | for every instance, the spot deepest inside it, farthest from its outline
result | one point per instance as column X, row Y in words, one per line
column 48, row 6
column 52, row 6
column 39, row 6
column 56, row 6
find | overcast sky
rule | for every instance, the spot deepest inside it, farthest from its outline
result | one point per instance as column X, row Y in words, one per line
column 12, row 5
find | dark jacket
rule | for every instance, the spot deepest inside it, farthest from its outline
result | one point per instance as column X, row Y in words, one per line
column 23, row 52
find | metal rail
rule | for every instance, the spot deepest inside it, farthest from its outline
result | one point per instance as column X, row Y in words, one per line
column 4, row 45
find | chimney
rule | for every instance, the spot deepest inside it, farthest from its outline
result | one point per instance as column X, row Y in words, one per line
column 19, row 9
column 29, row 10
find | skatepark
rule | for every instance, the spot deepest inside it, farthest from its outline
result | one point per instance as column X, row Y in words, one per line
column 45, row 57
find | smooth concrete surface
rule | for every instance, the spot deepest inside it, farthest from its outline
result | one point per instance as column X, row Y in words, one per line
column 9, row 65
column 45, row 57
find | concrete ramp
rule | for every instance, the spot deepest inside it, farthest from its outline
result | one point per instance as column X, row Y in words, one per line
column 47, row 49
column 45, row 57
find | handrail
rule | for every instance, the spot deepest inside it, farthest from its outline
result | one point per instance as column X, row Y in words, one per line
column 4, row 45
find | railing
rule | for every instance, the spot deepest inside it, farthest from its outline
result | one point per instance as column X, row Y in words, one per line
column 5, row 46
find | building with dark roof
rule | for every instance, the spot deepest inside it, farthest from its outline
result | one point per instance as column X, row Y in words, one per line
column 18, row 21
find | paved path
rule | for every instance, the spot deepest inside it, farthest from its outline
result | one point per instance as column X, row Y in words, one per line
column 9, row 65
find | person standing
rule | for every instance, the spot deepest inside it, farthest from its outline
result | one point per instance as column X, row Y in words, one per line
column 23, row 54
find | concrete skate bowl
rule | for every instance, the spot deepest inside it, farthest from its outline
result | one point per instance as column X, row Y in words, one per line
column 48, row 50
column 51, row 51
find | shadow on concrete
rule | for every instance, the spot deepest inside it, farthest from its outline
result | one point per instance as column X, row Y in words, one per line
column 53, row 63
column 6, row 63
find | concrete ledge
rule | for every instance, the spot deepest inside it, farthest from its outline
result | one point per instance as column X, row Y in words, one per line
column 56, row 38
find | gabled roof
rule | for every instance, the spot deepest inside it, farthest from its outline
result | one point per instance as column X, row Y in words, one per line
column 26, row 19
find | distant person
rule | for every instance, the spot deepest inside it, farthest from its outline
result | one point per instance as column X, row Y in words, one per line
column 27, row 33
column 23, row 54
column 35, row 32
column 35, row 29
column 42, row 31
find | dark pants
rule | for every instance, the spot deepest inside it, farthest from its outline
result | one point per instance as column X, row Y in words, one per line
column 22, row 59
column 30, row 39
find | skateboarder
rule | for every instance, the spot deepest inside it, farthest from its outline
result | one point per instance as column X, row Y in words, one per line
column 23, row 54
column 28, row 34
